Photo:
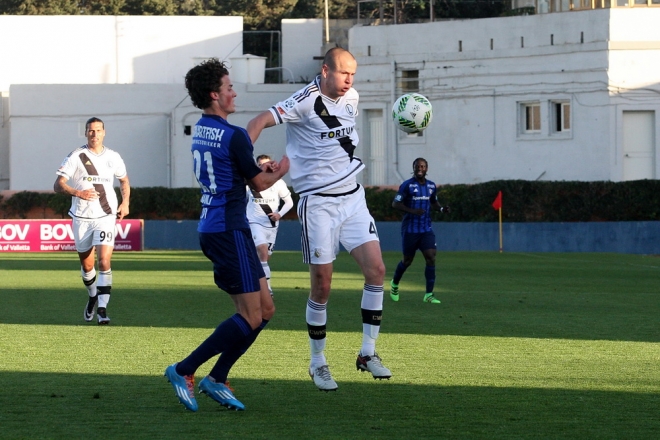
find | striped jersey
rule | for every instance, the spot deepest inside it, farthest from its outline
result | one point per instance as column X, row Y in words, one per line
column 85, row 169
column 416, row 195
column 321, row 138
column 222, row 161
column 262, row 203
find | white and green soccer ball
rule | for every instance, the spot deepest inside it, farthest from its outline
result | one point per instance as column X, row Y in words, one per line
column 412, row 112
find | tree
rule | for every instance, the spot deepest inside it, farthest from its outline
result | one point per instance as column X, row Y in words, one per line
column 260, row 14
column 39, row 7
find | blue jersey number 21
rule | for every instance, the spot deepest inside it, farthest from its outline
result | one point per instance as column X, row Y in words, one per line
column 207, row 184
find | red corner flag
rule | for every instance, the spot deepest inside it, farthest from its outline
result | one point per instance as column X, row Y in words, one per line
column 497, row 204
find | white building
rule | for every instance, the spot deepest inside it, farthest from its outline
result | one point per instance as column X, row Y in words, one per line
column 57, row 71
column 564, row 96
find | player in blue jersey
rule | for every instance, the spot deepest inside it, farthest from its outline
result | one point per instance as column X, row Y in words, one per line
column 416, row 197
column 223, row 161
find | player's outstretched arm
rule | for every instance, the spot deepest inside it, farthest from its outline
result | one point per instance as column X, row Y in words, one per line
column 258, row 123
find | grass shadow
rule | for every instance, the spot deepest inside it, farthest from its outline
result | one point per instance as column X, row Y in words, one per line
column 38, row 405
column 617, row 317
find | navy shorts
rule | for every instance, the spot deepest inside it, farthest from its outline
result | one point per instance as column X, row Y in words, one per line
column 414, row 241
column 236, row 266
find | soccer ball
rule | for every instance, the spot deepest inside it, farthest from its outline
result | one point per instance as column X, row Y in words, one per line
column 412, row 112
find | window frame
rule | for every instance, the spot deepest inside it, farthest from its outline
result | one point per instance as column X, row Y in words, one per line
column 559, row 122
column 545, row 128
column 408, row 81
column 524, row 121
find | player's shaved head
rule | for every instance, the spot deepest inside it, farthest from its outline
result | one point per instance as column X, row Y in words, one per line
column 333, row 55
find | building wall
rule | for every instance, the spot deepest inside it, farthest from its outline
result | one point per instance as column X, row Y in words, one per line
column 302, row 40
column 145, row 123
column 4, row 140
column 97, row 50
column 477, row 73
column 111, row 49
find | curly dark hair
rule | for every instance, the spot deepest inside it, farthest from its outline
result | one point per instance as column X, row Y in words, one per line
column 203, row 79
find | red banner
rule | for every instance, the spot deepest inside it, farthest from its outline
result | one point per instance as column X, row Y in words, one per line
column 57, row 235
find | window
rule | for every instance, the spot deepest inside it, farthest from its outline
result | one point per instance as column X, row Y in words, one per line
column 530, row 117
column 409, row 81
column 545, row 119
column 561, row 116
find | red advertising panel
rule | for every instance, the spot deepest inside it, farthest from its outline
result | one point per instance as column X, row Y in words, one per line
column 57, row 235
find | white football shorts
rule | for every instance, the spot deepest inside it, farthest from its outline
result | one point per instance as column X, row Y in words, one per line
column 262, row 235
column 328, row 221
column 93, row 232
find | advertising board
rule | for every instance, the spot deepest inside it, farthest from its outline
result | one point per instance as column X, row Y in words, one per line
column 57, row 235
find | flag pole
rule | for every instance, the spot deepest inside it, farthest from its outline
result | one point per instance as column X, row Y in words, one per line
column 500, row 211
column 497, row 205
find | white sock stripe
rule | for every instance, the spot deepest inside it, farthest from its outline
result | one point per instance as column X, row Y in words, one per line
column 372, row 288
column 316, row 306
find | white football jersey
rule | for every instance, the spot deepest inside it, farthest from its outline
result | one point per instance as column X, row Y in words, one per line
column 86, row 170
column 321, row 138
column 261, row 203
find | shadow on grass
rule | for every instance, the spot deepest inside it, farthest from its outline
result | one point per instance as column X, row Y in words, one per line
column 34, row 405
column 569, row 296
column 125, row 261
column 617, row 317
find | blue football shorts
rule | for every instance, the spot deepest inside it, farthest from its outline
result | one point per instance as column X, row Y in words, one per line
column 236, row 266
column 411, row 242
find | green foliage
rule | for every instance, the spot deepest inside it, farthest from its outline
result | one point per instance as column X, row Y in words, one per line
column 523, row 201
column 531, row 201
column 60, row 204
column 22, row 202
column 164, row 203
column 379, row 202
column 470, row 9
column 337, row 9
column 39, row 7
column 260, row 14
column 525, row 10
column 409, row 11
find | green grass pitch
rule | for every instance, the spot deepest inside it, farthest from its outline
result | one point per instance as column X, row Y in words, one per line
column 523, row 346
